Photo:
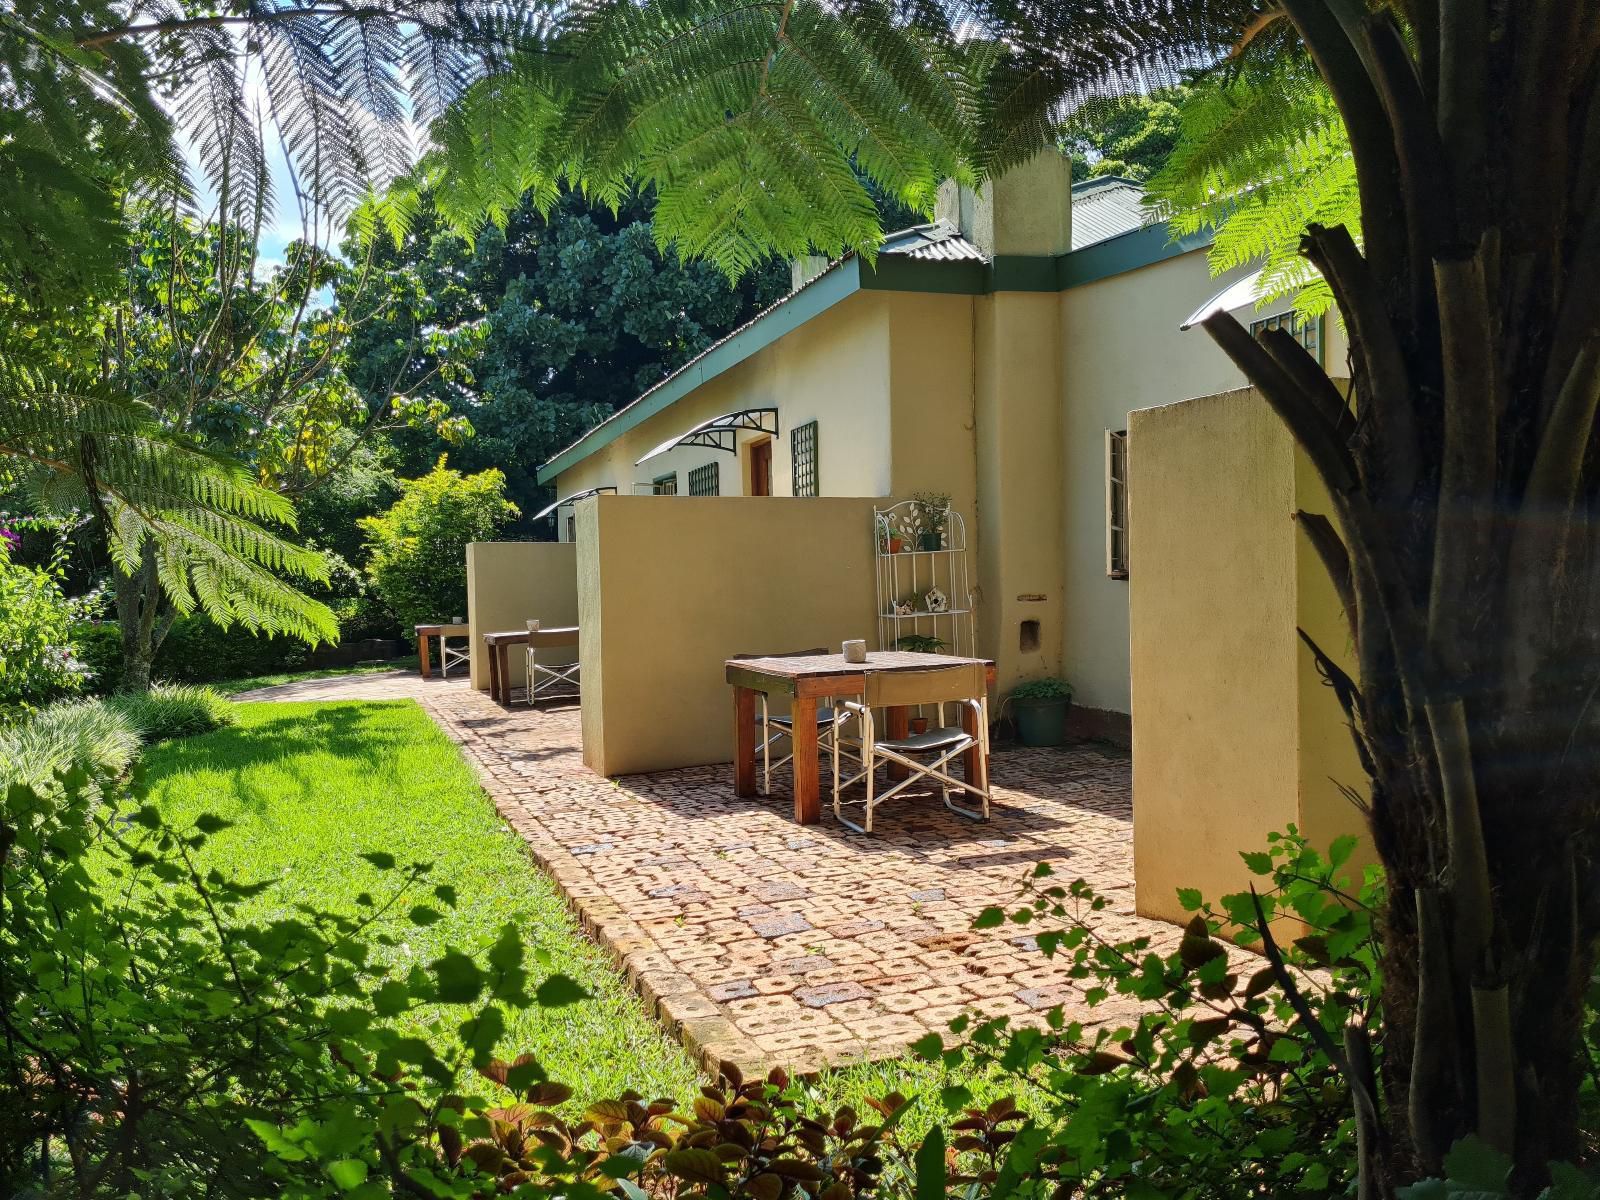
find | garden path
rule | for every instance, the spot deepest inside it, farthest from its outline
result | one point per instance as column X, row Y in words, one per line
column 758, row 941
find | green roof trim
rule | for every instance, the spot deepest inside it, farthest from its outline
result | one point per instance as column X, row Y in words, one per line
column 784, row 317
column 1127, row 252
column 892, row 273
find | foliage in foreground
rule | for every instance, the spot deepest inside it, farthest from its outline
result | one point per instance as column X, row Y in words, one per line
column 37, row 662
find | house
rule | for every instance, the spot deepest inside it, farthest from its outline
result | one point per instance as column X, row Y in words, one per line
column 995, row 355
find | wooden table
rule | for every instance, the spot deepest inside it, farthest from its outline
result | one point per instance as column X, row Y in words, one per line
column 499, row 646
column 806, row 679
column 424, row 632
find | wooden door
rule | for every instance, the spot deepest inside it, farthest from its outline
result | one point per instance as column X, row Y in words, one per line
column 761, row 468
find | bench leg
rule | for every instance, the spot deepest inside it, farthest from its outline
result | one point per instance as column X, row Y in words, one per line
column 744, row 741
column 805, row 764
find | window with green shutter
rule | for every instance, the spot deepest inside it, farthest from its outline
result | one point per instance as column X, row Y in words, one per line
column 665, row 485
column 706, row 480
column 803, row 456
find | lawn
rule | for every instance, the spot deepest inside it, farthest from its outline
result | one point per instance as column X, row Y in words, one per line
column 232, row 687
column 311, row 787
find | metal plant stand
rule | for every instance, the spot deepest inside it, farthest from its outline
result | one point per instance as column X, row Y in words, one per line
column 912, row 581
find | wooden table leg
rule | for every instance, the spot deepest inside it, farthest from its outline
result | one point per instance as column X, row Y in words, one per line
column 744, row 741
column 806, row 764
column 494, row 673
column 897, row 725
column 422, row 652
column 502, row 654
column 975, row 764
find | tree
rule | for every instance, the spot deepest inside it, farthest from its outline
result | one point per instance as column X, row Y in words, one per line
column 1464, row 537
column 1131, row 136
column 575, row 312
column 418, row 549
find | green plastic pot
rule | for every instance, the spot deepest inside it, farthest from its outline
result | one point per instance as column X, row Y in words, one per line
column 1041, row 722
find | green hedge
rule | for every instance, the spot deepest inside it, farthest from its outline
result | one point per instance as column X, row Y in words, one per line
column 196, row 651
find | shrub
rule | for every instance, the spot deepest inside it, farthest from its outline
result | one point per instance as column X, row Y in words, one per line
column 37, row 663
column 199, row 651
column 88, row 734
column 1218, row 1082
column 174, row 710
column 98, row 646
column 417, row 550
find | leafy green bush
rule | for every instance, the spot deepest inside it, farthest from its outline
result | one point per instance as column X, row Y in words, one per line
column 1207, row 1081
column 37, row 663
column 174, row 710
column 85, row 734
column 98, row 646
column 199, row 651
column 1042, row 689
column 417, row 550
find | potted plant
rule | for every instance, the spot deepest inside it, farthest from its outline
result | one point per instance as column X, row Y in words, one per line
column 919, row 643
column 1040, row 709
column 889, row 541
column 933, row 511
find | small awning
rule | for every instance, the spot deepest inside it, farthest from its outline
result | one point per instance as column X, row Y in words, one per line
column 572, row 499
column 721, row 433
column 1235, row 295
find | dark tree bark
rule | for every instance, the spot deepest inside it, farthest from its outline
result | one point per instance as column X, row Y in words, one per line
column 1466, row 490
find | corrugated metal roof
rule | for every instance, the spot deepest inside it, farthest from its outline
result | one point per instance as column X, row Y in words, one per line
column 1105, row 208
column 936, row 242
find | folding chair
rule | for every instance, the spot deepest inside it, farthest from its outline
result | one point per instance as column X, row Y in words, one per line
column 453, row 656
column 543, row 677
column 924, row 755
column 773, row 730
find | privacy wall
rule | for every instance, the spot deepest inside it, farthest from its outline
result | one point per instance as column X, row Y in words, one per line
column 509, row 583
column 1235, row 734
column 669, row 588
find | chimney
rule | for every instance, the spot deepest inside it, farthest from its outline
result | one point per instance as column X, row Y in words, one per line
column 1027, row 211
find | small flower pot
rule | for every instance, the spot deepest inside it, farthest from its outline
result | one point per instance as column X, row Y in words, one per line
column 897, row 545
column 919, row 725
column 1041, row 722
column 930, row 541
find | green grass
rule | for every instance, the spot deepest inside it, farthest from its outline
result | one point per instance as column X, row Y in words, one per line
column 312, row 786
column 232, row 687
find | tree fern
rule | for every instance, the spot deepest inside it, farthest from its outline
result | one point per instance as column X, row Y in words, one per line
column 1262, row 154
column 205, row 519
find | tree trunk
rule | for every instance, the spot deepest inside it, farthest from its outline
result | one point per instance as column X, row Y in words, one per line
column 145, row 617
column 1465, row 479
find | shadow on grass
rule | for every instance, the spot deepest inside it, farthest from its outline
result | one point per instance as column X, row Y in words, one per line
column 365, row 733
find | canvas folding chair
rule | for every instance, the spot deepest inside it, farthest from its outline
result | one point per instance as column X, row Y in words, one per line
column 925, row 756
column 773, row 731
column 453, row 656
column 545, row 677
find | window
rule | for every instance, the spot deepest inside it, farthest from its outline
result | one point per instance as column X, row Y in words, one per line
column 706, row 480
column 572, row 528
column 803, row 454
column 1117, row 504
column 1308, row 332
column 664, row 485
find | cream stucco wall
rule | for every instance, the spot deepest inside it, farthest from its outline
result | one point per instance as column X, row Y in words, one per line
column 834, row 370
column 669, row 591
column 509, row 583
column 1233, row 734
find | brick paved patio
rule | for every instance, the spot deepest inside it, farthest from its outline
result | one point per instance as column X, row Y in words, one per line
column 755, row 940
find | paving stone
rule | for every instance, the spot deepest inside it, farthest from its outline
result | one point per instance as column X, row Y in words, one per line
column 822, row 995
column 757, row 942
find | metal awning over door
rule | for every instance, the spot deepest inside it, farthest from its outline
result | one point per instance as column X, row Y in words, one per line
column 572, row 499
column 720, row 433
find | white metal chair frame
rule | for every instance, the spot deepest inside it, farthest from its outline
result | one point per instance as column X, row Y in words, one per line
column 544, row 677
column 947, row 742
column 774, row 730
column 451, row 656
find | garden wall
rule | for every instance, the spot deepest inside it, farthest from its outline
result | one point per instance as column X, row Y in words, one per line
column 510, row 582
column 1235, row 735
column 669, row 588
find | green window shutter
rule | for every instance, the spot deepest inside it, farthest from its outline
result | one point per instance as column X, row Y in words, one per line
column 803, row 457
column 706, row 480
